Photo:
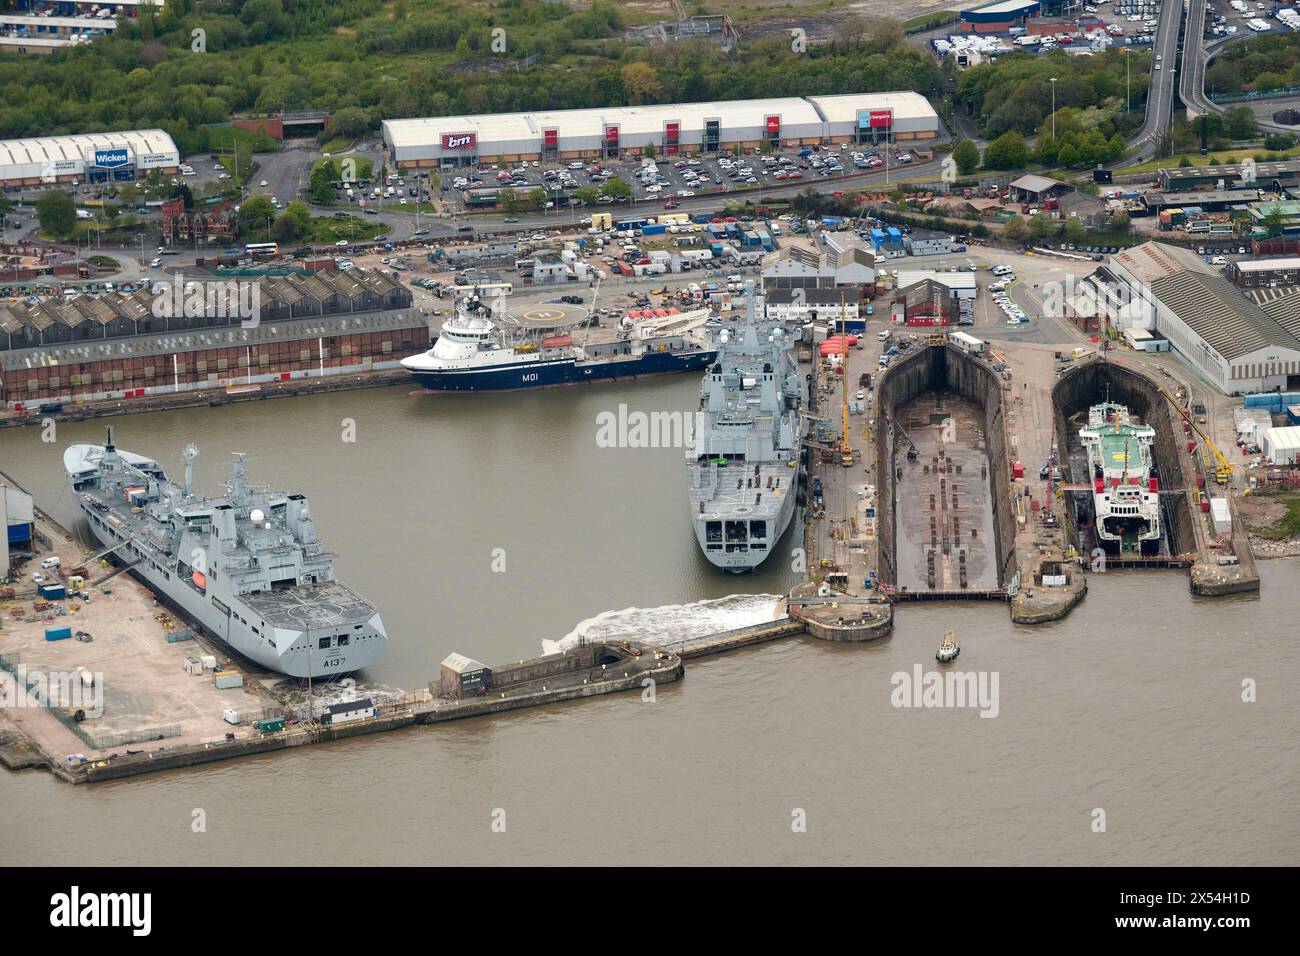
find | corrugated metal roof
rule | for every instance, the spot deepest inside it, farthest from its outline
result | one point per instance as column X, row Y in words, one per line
column 461, row 664
column 1282, row 305
column 1035, row 184
column 1215, row 309
column 139, row 305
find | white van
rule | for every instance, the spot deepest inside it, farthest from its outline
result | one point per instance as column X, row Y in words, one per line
column 50, row 563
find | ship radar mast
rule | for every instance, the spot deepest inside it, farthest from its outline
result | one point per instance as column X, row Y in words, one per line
column 188, row 455
column 238, row 486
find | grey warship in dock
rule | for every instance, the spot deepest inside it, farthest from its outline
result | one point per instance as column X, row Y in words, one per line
column 247, row 566
column 742, row 464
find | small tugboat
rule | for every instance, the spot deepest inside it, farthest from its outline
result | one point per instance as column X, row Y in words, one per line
column 948, row 649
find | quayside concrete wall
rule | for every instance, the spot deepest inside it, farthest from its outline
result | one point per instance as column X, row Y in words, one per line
column 938, row 368
column 1091, row 383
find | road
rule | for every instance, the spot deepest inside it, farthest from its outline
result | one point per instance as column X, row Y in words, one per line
column 1160, row 97
column 1197, row 54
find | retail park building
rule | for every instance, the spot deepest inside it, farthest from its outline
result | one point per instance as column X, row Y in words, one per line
column 673, row 129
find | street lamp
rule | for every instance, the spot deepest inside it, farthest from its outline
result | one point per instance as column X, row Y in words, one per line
column 1054, row 108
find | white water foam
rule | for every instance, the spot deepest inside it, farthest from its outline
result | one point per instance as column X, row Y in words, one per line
column 658, row 626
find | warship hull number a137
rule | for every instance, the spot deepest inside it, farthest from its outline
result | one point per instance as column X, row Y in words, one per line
column 535, row 347
column 742, row 467
column 246, row 566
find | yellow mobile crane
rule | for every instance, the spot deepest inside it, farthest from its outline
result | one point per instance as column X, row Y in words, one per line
column 846, row 450
column 1223, row 468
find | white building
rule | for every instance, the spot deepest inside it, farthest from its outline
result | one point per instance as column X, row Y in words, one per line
column 1281, row 445
column 670, row 129
column 87, row 158
column 1216, row 329
column 810, row 305
column 961, row 285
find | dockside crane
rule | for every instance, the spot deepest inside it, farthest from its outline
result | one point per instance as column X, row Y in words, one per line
column 1223, row 467
column 846, row 450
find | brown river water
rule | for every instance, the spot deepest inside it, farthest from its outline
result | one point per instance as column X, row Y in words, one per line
column 487, row 523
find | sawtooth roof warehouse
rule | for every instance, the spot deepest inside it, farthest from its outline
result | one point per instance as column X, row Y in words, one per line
column 450, row 141
column 87, row 157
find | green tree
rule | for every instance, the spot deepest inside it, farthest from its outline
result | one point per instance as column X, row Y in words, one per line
column 1241, row 123
column 1008, row 151
column 1272, row 223
column 323, row 177
column 1041, row 225
column 282, row 230
column 254, row 216
column 299, row 214
column 508, row 200
column 56, row 212
column 537, row 197
column 1015, row 229
column 616, row 188
column 1074, row 231
column 1068, row 156
column 967, row 157
column 587, row 195
column 1120, row 221
column 349, row 123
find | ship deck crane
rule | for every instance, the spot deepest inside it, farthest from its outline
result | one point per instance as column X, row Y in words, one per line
column 1223, row 468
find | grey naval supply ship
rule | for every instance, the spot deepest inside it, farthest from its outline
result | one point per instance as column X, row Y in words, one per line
column 742, row 466
column 247, row 566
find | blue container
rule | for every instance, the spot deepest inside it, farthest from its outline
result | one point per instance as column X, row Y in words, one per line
column 1293, row 414
column 53, row 592
column 1269, row 400
column 58, row 633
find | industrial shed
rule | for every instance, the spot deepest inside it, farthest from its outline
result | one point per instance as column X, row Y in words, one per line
column 1225, row 335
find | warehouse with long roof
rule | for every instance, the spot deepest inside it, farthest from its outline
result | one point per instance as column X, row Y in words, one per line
column 1227, row 336
column 87, row 157
column 670, row 129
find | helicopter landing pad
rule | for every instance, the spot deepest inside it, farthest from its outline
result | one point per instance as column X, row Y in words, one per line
column 544, row 316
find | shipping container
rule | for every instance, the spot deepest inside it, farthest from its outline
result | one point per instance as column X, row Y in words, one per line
column 225, row 680
column 1220, row 515
column 58, row 633
column 271, row 725
column 177, row 637
column 53, row 592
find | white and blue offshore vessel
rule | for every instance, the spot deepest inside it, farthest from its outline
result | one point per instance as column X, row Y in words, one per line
column 531, row 348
